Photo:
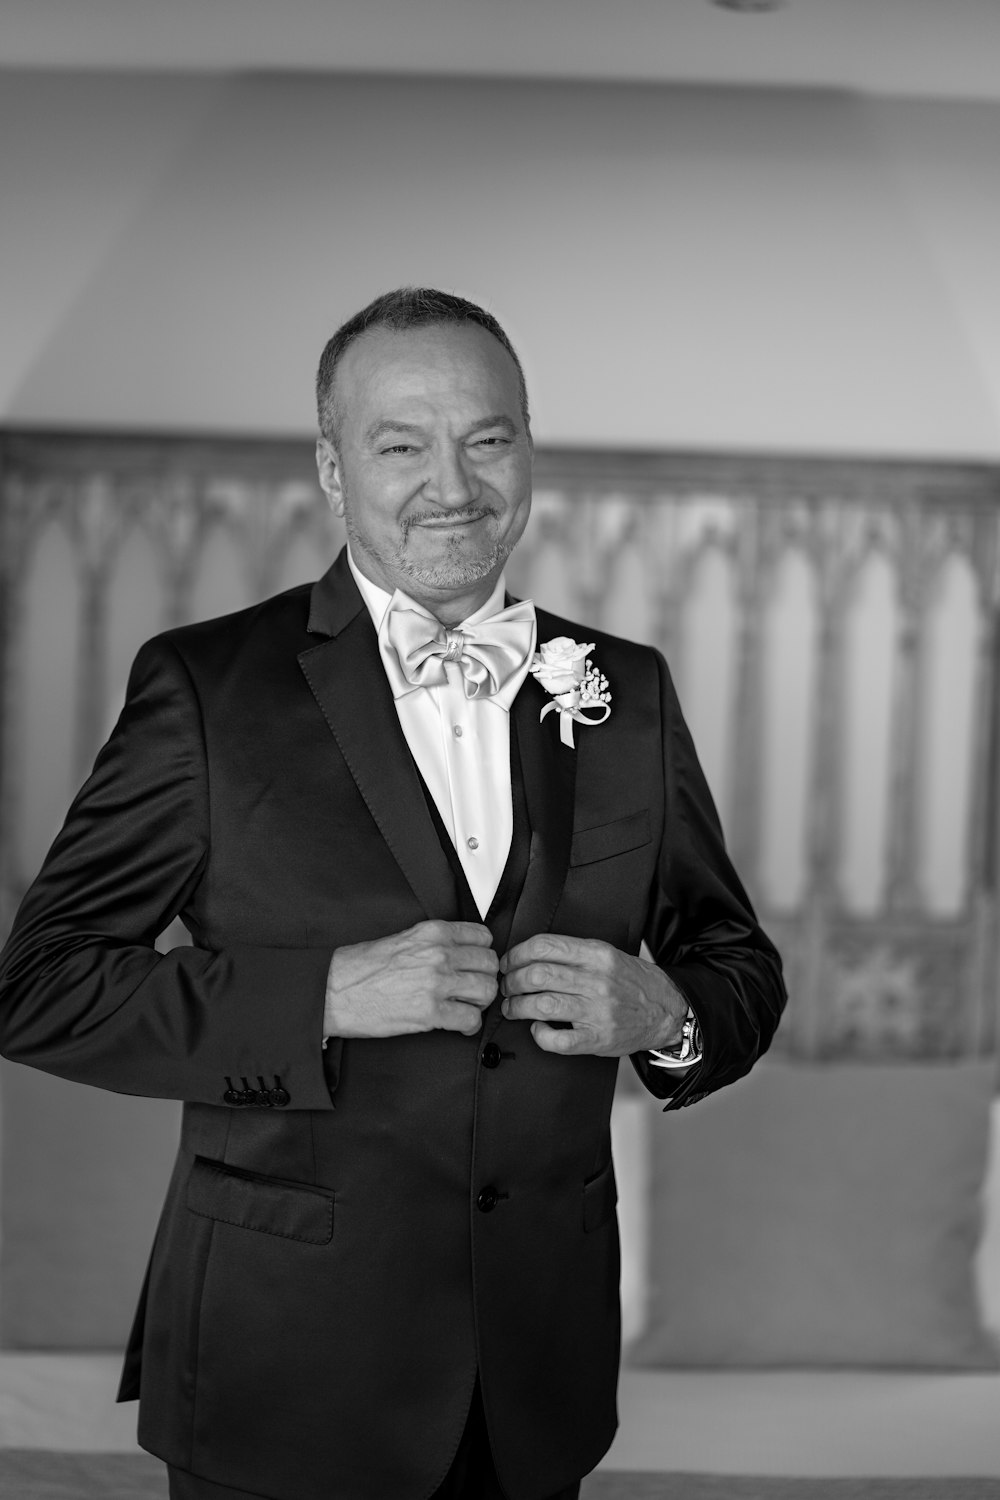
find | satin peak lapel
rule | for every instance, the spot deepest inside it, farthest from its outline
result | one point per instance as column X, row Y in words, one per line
column 347, row 679
column 549, row 770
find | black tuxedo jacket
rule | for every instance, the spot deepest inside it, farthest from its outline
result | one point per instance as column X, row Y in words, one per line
column 350, row 1233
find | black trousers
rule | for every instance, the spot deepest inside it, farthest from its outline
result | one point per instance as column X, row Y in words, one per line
column 471, row 1476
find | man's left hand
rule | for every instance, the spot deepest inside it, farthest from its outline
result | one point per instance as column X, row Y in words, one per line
column 615, row 1004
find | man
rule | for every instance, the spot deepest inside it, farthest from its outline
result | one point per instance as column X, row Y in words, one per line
column 416, row 883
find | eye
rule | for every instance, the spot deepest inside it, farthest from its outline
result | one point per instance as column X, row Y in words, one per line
column 493, row 441
column 399, row 448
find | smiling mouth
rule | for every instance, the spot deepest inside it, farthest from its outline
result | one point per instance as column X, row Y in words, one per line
column 444, row 521
column 448, row 523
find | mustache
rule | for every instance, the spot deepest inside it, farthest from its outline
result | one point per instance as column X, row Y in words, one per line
column 467, row 513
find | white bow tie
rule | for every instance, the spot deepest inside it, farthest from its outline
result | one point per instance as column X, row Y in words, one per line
column 493, row 654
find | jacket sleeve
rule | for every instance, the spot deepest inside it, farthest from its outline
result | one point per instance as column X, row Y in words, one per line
column 702, row 931
column 83, row 991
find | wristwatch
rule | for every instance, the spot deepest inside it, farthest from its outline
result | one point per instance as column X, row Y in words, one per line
column 685, row 1052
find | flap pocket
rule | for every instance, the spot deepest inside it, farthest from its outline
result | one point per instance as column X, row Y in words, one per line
column 218, row 1191
column 630, row 832
column 600, row 1195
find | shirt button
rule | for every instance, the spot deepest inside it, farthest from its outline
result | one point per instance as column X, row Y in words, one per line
column 472, row 843
column 457, row 731
column 487, row 1200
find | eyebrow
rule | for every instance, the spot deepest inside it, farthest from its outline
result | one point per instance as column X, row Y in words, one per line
column 497, row 421
column 381, row 429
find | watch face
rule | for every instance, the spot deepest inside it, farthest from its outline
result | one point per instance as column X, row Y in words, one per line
column 686, row 1051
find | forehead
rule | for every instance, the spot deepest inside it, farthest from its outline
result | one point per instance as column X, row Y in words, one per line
column 457, row 365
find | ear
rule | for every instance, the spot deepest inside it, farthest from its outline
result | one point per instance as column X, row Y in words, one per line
column 328, row 469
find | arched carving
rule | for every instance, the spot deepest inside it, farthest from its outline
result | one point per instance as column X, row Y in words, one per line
column 833, row 624
column 789, row 644
column 868, row 665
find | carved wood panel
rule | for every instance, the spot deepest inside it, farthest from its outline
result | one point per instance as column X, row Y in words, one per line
column 832, row 625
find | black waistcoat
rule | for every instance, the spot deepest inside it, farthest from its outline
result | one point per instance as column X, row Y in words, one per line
column 500, row 916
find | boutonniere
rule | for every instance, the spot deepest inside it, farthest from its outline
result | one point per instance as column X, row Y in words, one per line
column 578, row 689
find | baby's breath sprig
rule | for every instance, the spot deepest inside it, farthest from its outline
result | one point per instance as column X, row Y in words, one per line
column 594, row 687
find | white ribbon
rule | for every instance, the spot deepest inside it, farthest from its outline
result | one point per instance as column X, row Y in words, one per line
column 569, row 710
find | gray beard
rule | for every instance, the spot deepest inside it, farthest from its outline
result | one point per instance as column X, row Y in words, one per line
column 453, row 574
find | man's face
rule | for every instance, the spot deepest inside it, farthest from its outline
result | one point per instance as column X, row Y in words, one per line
column 432, row 468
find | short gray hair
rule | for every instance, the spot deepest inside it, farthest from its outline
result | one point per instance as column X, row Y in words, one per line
column 406, row 307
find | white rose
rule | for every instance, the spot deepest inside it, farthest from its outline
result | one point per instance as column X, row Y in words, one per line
column 562, row 650
column 561, row 664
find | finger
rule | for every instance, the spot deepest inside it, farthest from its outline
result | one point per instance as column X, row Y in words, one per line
column 533, row 977
column 558, row 1039
column 584, row 952
column 453, row 1015
column 466, row 959
column 525, row 953
column 545, row 1006
column 473, row 989
column 473, row 934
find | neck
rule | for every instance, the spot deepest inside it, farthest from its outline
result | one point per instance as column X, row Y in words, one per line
column 454, row 609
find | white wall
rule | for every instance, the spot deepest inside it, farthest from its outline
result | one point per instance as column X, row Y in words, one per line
column 681, row 267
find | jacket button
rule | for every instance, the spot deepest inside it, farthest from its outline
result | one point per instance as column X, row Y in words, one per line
column 280, row 1097
column 490, row 1055
column 232, row 1097
column 487, row 1200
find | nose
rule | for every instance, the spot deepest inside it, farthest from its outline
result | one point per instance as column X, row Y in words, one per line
column 452, row 481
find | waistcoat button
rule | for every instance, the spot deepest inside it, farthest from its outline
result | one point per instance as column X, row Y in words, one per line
column 487, row 1200
column 490, row 1055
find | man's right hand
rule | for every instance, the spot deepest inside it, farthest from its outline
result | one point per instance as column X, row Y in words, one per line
column 434, row 976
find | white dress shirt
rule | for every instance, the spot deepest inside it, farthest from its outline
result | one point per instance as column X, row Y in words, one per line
column 462, row 748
